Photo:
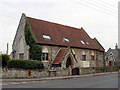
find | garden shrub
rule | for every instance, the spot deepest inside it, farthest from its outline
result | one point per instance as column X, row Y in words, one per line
column 5, row 58
column 25, row 64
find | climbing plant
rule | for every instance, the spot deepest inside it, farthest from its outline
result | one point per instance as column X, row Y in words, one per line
column 35, row 49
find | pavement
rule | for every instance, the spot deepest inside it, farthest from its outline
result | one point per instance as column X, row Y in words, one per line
column 106, row 80
column 54, row 78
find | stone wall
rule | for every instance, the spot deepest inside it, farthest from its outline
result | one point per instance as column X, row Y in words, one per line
column 19, row 43
column 100, row 59
column 15, row 73
column 86, row 71
column 99, row 56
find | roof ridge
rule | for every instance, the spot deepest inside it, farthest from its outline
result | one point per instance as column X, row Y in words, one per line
column 55, row 23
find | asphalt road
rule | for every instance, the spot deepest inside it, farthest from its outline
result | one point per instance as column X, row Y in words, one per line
column 102, row 81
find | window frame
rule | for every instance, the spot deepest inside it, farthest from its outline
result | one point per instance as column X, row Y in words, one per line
column 46, row 56
column 82, row 42
column 66, row 40
column 92, row 57
column 83, row 57
column 47, row 37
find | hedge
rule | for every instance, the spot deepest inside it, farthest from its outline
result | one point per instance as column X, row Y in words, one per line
column 25, row 64
column 5, row 58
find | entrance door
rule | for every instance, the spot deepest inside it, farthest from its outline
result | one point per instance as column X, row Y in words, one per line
column 75, row 71
column 68, row 63
column 110, row 63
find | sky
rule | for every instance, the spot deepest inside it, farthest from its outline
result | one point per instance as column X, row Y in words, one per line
column 99, row 18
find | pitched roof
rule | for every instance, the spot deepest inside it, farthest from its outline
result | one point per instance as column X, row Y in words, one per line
column 98, row 45
column 116, row 53
column 57, row 32
column 59, row 56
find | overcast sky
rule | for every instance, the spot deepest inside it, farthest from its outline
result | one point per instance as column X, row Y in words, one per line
column 99, row 18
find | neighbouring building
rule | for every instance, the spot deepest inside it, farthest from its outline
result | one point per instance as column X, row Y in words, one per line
column 62, row 46
column 112, row 56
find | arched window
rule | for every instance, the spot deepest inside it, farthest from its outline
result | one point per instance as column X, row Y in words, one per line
column 83, row 55
column 92, row 56
column 45, row 54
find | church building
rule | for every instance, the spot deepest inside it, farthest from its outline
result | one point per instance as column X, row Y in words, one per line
column 62, row 46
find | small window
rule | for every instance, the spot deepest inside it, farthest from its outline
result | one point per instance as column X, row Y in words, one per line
column 44, row 56
column 46, row 37
column 66, row 40
column 87, row 43
column 92, row 57
column 82, row 42
column 83, row 57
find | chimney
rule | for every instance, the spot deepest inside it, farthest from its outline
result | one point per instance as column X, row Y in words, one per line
column 116, row 47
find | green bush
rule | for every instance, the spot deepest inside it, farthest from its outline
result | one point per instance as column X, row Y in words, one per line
column 5, row 58
column 35, row 49
column 15, row 64
column 25, row 64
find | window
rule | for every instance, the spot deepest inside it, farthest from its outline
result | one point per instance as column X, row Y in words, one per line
column 66, row 40
column 45, row 53
column 92, row 57
column 44, row 56
column 82, row 42
column 83, row 57
column 87, row 43
column 46, row 37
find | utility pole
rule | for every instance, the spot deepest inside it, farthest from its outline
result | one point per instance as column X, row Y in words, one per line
column 7, row 48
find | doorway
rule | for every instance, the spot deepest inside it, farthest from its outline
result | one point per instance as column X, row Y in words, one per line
column 75, row 71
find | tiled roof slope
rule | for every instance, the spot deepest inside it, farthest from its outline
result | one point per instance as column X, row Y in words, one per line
column 59, row 56
column 57, row 32
column 98, row 45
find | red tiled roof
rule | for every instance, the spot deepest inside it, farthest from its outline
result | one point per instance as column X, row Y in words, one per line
column 57, row 32
column 59, row 56
column 98, row 45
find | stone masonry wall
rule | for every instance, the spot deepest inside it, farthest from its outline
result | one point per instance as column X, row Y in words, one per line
column 15, row 73
column 19, row 44
column 53, row 51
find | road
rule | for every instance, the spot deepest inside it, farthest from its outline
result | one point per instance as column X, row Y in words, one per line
column 101, row 81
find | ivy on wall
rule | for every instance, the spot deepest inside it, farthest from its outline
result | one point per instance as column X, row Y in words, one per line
column 35, row 49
